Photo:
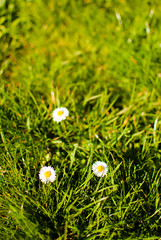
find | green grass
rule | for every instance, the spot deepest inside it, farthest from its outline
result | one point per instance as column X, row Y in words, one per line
column 102, row 60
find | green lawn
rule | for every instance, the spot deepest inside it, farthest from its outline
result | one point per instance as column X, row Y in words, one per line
column 101, row 59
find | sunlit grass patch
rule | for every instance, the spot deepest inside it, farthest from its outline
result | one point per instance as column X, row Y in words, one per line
column 100, row 60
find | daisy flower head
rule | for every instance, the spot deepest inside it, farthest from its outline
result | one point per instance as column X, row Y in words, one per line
column 60, row 114
column 47, row 174
column 100, row 169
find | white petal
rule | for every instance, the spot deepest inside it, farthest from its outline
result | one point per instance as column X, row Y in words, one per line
column 95, row 170
column 58, row 118
column 45, row 179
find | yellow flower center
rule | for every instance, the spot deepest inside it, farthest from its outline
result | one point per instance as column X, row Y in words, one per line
column 60, row 113
column 100, row 168
column 47, row 174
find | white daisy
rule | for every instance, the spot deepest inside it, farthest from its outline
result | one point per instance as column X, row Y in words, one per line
column 47, row 174
column 60, row 114
column 100, row 169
